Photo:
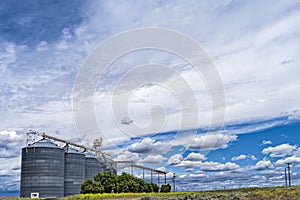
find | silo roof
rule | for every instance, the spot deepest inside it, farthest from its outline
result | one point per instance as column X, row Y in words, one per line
column 44, row 143
column 89, row 155
column 69, row 149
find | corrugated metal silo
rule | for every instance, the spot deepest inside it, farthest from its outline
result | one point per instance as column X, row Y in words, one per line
column 42, row 170
column 74, row 171
column 92, row 166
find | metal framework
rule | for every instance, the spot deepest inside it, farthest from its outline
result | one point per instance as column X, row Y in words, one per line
column 97, row 149
column 133, row 165
column 97, row 143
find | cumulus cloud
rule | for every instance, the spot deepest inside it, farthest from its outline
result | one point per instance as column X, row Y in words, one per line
column 243, row 157
column 175, row 159
column 10, row 174
column 215, row 166
column 280, row 150
column 153, row 159
column 192, row 160
column 128, row 156
column 240, row 157
column 162, row 169
column 195, row 157
column 147, row 145
column 252, row 157
column 265, row 142
column 11, row 143
column 212, row 141
column 191, row 176
column 189, row 164
column 263, row 165
column 291, row 159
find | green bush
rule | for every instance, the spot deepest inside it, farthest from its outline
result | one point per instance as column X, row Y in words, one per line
column 90, row 186
column 165, row 188
column 110, row 183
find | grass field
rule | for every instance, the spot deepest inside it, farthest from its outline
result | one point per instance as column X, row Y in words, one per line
column 273, row 193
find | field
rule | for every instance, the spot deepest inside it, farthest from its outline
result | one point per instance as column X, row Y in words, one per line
column 273, row 193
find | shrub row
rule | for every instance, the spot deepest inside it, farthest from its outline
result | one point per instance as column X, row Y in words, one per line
column 125, row 183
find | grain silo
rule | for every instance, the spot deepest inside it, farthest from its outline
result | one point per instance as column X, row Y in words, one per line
column 48, row 170
column 92, row 166
column 42, row 170
column 74, row 171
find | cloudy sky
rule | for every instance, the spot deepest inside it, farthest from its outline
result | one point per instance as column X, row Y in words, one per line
column 253, row 45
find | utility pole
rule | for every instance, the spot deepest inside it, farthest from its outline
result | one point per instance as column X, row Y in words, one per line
column 285, row 176
column 158, row 179
column 289, row 173
column 174, row 182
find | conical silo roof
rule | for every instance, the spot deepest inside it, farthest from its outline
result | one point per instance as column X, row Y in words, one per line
column 44, row 143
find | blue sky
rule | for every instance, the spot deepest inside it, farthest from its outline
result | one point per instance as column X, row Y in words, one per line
column 254, row 46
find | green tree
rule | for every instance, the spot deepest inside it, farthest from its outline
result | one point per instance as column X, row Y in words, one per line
column 87, row 187
column 98, row 188
column 165, row 188
column 154, row 187
column 90, row 186
column 141, row 185
column 122, row 185
column 107, row 180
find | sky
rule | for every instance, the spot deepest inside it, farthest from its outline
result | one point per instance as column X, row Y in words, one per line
column 252, row 45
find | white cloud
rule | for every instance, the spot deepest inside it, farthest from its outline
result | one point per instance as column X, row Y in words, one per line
column 195, row 157
column 10, row 166
column 212, row 141
column 189, row 164
column 128, row 156
column 7, row 56
column 252, row 157
column 147, row 145
column 215, row 166
column 291, row 159
column 280, row 150
column 295, row 115
column 243, row 157
column 192, row 160
column 10, row 173
column 263, row 165
column 11, row 143
column 153, row 159
column 175, row 159
column 228, row 53
column 162, row 169
column 9, row 136
column 265, row 142
column 42, row 46
column 240, row 157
